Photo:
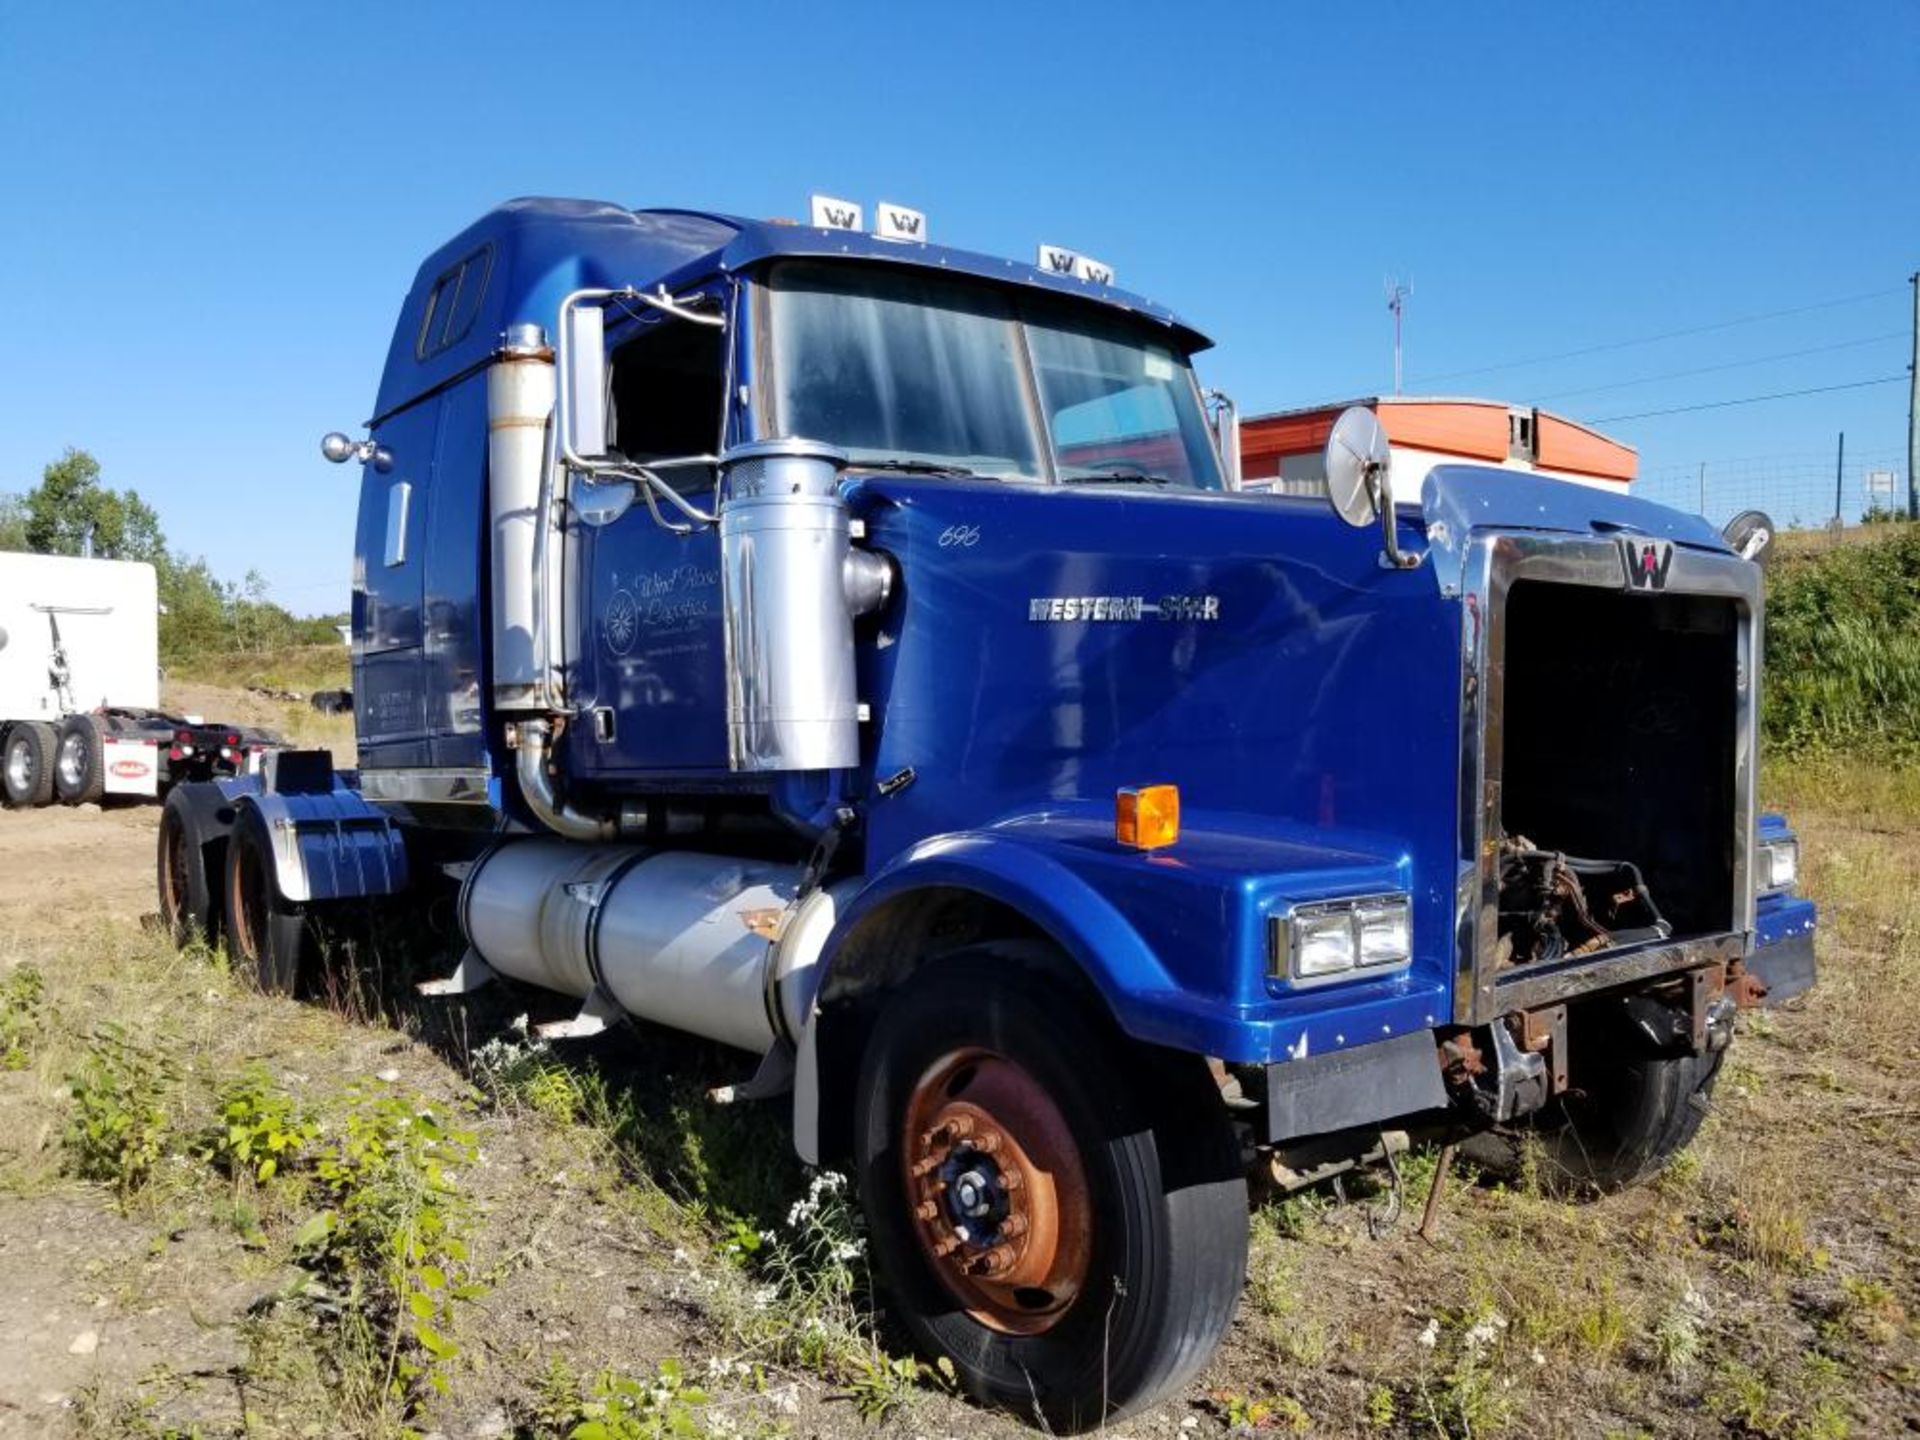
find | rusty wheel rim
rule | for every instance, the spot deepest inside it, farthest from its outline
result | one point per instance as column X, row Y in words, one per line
column 245, row 877
column 999, row 1196
column 173, row 877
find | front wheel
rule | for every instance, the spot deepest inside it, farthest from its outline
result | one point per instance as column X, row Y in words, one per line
column 1628, row 1110
column 1058, row 1211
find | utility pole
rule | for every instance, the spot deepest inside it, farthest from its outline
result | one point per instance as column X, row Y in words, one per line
column 1703, row 487
column 1839, row 467
column 1397, row 296
column 1913, row 403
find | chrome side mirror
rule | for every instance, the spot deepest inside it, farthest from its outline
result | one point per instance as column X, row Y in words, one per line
column 1226, row 434
column 339, row 449
column 1750, row 536
column 583, row 382
column 1359, row 466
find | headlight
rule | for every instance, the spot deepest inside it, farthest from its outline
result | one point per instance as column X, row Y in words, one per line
column 1781, row 867
column 1331, row 938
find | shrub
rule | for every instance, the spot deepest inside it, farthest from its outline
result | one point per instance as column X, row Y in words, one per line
column 21, row 993
column 1843, row 649
column 119, row 1128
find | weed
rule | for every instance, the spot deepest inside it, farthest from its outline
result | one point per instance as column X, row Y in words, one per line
column 259, row 1131
column 1281, row 1413
column 1803, row 1407
column 513, row 1074
column 1871, row 1310
column 389, row 1244
column 119, row 1129
column 21, row 995
column 1766, row 1220
column 1678, row 1337
column 1465, row 1389
column 620, row 1407
column 882, row 1384
column 1381, row 1409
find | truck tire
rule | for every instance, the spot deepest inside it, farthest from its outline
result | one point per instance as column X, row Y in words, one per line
column 79, row 762
column 194, row 826
column 265, row 932
column 27, row 764
column 1629, row 1109
column 1089, row 1240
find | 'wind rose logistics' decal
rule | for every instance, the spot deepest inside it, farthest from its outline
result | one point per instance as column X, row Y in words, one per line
column 1062, row 609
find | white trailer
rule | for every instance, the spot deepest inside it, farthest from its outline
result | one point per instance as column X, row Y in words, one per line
column 80, row 687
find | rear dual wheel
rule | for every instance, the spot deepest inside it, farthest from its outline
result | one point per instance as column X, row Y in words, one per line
column 79, row 764
column 26, row 764
column 266, row 933
column 1058, row 1211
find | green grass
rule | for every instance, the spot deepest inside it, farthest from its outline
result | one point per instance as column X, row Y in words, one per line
column 300, row 668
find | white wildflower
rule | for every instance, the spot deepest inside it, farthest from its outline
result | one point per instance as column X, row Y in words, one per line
column 1430, row 1336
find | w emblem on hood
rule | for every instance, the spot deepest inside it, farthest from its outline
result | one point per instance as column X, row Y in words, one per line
column 1648, row 562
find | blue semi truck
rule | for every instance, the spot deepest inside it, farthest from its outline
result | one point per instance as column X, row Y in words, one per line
column 857, row 651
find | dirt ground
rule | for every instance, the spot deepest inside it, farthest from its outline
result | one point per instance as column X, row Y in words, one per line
column 1766, row 1287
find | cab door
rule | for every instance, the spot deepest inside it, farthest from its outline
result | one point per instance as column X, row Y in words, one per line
column 653, row 666
column 389, row 674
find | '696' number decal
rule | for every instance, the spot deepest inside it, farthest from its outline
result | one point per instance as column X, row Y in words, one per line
column 959, row 537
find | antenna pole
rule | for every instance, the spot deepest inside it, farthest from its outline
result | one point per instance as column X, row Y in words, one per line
column 1397, row 295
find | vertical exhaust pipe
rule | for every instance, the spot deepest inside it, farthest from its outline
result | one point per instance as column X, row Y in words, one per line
column 520, row 396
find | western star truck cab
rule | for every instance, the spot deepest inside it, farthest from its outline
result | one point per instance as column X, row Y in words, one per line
column 856, row 651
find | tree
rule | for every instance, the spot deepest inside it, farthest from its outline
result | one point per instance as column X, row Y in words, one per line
column 13, row 523
column 69, row 505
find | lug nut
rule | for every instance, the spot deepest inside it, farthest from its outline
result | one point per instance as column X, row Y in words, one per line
column 1013, row 1227
column 1011, row 1180
column 927, row 1210
column 986, row 1143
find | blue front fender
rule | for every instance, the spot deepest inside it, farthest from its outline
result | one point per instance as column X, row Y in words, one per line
column 1175, row 941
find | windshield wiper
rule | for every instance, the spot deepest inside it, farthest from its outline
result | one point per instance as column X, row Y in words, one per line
column 914, row 467
column 1119, row 477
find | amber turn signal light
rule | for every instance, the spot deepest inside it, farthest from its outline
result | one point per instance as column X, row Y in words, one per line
column 1147, row 818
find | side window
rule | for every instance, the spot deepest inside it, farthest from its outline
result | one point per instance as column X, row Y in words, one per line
column 669, row 387
column 454, row 303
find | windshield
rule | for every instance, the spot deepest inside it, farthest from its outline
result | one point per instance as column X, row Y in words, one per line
column 905, row 368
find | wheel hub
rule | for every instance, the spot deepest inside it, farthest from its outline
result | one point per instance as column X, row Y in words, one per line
column 1000, row 1199
column 19, row 766
column 70, row 762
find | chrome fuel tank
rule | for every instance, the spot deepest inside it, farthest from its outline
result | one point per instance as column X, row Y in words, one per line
column 718, row 946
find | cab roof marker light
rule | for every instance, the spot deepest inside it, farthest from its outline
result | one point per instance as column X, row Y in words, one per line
column 832, row 214
column 1070, row 265
column 1056, row 260
column 897, row 222
column 1096, row 272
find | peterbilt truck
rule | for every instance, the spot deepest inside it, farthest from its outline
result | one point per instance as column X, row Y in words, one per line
column 80, row 689
column 856, row 651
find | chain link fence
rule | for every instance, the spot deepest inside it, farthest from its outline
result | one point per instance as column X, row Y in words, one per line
column 1800, row 491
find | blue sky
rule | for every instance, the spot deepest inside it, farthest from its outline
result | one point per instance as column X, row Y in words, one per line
column 209, row 214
